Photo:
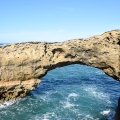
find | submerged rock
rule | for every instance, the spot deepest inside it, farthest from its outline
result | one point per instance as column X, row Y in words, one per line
column 23, row 64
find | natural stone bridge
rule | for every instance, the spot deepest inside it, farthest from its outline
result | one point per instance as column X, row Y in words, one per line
column 23, row 64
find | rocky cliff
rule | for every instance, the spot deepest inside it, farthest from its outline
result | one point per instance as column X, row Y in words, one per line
column 23, row 64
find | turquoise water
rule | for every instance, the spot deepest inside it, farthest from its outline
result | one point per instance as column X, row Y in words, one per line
column 73, row 92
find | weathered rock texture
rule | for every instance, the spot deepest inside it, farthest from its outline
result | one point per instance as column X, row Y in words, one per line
column 22, row 64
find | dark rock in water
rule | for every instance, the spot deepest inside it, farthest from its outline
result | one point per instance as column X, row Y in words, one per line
column 117, row 115
column 23, row 64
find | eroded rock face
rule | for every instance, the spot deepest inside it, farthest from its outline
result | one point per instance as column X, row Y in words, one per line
column 22, row 64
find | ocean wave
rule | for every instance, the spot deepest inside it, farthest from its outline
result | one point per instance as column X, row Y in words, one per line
column 68, row 103
column 72, row 95
column 7, row 103
column 105, row 112
column 97, row 92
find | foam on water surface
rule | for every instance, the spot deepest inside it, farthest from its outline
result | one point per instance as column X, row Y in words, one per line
column 9, row 103
column 105, row 112
column 97, row 92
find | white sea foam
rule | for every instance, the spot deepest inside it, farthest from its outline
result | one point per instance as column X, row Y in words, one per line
column 105, row 112
column 46, row 116
column 49, row 115
column 68, row 104
column 89, row 117
column 72, row 95
column 109, row 113
column 6, row 104
column 11, row 102
column 94, row 91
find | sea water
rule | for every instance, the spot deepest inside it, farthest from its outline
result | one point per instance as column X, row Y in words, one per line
column 73, row 92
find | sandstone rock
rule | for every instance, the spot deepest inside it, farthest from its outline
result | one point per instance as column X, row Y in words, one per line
column 23, row 64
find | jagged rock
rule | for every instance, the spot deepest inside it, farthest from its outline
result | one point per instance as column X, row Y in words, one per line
column 23, row 64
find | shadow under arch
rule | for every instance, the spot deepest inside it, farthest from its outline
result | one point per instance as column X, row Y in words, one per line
column 79, row 87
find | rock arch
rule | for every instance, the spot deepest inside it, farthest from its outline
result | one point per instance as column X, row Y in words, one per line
column 22, row 64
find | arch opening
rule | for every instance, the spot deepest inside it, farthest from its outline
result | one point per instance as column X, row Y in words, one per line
column 79, row 87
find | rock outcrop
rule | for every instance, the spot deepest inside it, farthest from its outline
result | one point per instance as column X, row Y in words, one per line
column 23, row 64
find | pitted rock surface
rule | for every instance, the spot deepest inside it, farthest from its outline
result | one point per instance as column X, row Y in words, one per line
column 23, row 64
